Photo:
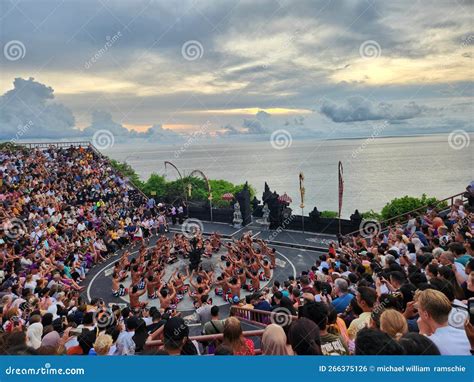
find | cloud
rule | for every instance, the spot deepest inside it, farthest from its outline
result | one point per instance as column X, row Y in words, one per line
column 254, row 126
column 30, row 103
column 102, row 120
column 259, row 124
column 283, row 54
column 28, row 112
column 357, row 109
column 157, row 133
column 230, row 130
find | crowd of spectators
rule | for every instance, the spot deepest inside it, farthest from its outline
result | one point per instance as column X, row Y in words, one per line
column 63, row 211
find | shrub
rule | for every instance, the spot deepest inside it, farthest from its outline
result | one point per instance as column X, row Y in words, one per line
column 127, row 171
column 329, row 214
column 372, row 215
column 399, row 206
column 156, row 183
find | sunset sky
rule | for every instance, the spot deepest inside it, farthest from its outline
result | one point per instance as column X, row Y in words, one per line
column 241, row 67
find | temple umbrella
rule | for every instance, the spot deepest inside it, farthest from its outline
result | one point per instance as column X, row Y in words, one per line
column 285, row 199
column 341, row 192
column 228, row 196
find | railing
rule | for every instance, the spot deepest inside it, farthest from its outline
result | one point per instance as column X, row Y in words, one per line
column 402, row 218
column 45, row 145
column 216, row 338
column 261, row 317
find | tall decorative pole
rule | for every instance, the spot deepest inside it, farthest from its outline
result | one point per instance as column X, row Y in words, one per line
column 208, row 184
column 341, row 192
column 182, row 180
column 302, row 191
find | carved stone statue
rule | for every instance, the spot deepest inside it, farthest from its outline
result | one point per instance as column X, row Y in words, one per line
column 237, row 221
column 265, row 221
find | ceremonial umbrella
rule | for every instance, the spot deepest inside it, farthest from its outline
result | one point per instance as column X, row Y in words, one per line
column 228, row 196
column 285, row 199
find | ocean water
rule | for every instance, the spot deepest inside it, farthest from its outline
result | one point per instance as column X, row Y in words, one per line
column 375, row 170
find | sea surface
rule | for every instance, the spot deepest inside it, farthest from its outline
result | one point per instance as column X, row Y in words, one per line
column 376, row 170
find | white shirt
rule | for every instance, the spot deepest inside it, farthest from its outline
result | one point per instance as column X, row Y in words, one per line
column 451, row 341
column 125, row 343
column 460, row 270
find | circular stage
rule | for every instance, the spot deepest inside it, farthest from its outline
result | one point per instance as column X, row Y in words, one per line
column 289, row 261
column 186, row 304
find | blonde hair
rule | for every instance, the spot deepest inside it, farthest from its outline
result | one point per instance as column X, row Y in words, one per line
column 102, row 344
column 233, row 334
column 435, row 303
column 393, row 323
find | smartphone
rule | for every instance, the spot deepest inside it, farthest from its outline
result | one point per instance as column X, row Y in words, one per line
column 470, row 305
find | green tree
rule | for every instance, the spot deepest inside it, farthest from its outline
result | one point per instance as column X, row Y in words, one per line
column 127, row 171
column 220, row 187
column 399, row 206
column 371, row 215
column 179, row 189
column 156, row 183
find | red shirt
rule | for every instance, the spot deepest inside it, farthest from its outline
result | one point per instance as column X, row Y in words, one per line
column 249, row 348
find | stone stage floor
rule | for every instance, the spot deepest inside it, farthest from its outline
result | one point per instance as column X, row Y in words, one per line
column 296, row 252
column 186, row 304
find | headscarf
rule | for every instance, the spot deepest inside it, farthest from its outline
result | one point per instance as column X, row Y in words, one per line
column 51, row 339
column 274, row 341
column 33, row 335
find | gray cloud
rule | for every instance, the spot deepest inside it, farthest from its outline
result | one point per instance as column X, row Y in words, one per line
column 230, row 130
column 29, row 112
column 308, row 43
column 30, row 103
column 259, row 125
column 102, row 120
column 254, row 126
column 358, row 109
